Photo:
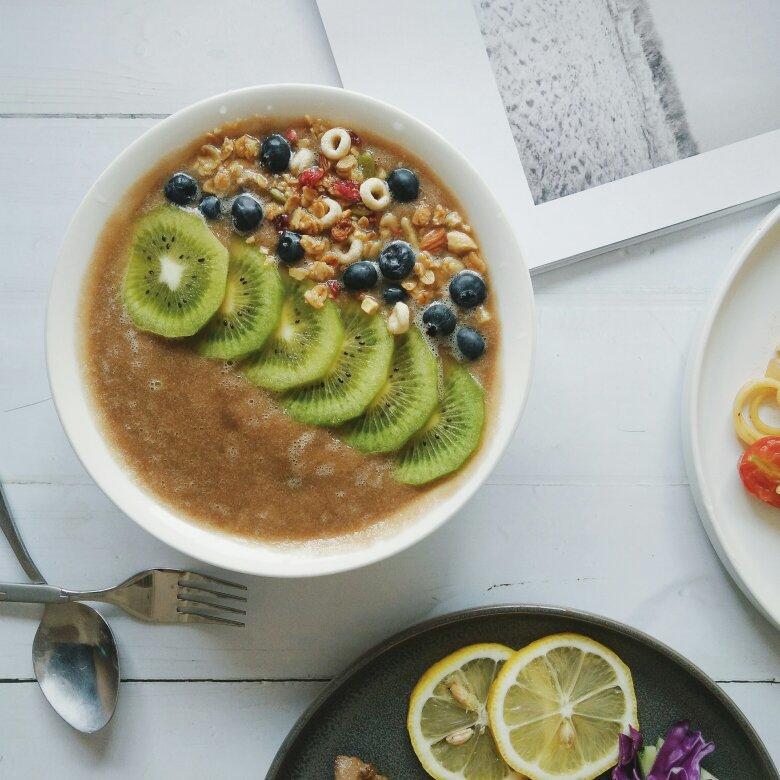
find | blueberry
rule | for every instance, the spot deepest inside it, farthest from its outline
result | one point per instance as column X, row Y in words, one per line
column 439, row 319
column 404, row 184
column 289, row 247
column 210, row 207
column 275, row 153
column 396, row 260
column 181, row 189
column 247, row 213
column 360, row 276
column 470, row 342
column 393, row 295
column 468, row 289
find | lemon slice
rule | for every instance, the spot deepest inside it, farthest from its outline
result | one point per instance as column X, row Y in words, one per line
column 448, row 722
column 557, row 706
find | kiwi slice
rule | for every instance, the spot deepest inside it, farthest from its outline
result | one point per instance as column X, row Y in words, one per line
column 356, row 376
column 250, row 309
column 451, row 434
column 405, row 401
column 175, row 278
column 302, row 347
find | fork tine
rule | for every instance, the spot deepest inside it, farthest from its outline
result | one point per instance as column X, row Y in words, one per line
column 207, row 603
column 194, row 576
column 221, row 594
column 198, row 616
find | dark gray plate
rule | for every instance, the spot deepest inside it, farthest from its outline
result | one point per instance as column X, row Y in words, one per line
column 363, row 712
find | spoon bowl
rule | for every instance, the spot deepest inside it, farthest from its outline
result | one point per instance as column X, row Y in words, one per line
column 77, row 666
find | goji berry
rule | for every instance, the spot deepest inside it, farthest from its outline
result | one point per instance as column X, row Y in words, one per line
column 334, row 287
column 291, row 136
column 346, row 190
column 356, row 139
column 310, row 176
column 281, row 221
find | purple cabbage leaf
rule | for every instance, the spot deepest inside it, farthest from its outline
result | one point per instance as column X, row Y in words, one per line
column 679, row 757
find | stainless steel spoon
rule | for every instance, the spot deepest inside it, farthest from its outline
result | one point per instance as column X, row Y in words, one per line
column 74, row 654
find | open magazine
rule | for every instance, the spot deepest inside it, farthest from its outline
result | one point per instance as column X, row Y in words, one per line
column 598, row 123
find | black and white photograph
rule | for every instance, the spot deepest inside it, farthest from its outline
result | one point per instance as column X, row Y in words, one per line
column 597, row 91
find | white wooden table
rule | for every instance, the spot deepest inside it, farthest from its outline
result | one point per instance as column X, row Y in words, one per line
column 589, row 508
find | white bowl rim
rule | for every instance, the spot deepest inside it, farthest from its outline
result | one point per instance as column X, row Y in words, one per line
column 690, row 414
column 214, row 547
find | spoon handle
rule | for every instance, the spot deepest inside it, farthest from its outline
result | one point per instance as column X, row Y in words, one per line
column 17, row 545
column 31, row 594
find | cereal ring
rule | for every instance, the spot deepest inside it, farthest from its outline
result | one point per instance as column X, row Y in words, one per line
column 335, row 143
column 375, row 194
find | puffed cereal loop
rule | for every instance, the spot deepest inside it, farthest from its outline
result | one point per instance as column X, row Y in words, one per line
column 375, row 194
column 335, row 143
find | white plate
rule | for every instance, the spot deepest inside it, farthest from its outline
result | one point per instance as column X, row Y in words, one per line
column 739, row 335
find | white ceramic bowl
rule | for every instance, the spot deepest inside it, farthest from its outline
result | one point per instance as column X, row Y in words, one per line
column 510, row 284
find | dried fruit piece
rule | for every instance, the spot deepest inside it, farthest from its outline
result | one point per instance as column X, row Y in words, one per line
column 348, row 191
column 311, row 176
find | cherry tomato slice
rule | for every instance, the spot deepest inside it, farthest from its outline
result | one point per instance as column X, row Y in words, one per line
column 759, row 469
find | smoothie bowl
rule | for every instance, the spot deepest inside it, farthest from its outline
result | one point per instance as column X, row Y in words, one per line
column 290, row 330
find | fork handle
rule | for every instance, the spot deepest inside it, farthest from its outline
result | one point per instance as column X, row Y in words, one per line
column 32, row 594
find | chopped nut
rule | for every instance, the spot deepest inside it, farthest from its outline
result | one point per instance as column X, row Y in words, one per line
column 371, row 249
column 299, row 273
column 292, row 203
column 453, row 219
column 389, row 222
column 341, row 230
column 439, row 213
column 272, row 210
column 409, row 232
column 308, row 196
column 247, row 147
column 346, row 164
column 422, row 295
column 313, row 245
column 409, row 284
column 227, row 149
column 304, row 222
column 319, row 209
column 320, row 271
column 220, row 184
column 369, row 304
column 461, row 736
column 207, row 164
column 452, row 265
column 460, row 242
column 474, row 261
column 422, row 215
column 434, row 240
column 317, row 296
column 398, row 321
column 428, row 278
column 364, row 222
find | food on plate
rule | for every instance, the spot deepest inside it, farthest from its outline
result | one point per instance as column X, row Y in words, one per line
column 289, row 332
column 678, row 754
column 558, row 705
column 747, row 405
column 352, row 768
column 759, row 469
column 448, row 718
column 759, row 466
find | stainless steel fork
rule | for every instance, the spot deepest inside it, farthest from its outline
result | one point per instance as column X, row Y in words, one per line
column 155, row 595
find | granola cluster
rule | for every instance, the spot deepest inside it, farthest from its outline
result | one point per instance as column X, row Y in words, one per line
column 334, row 195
